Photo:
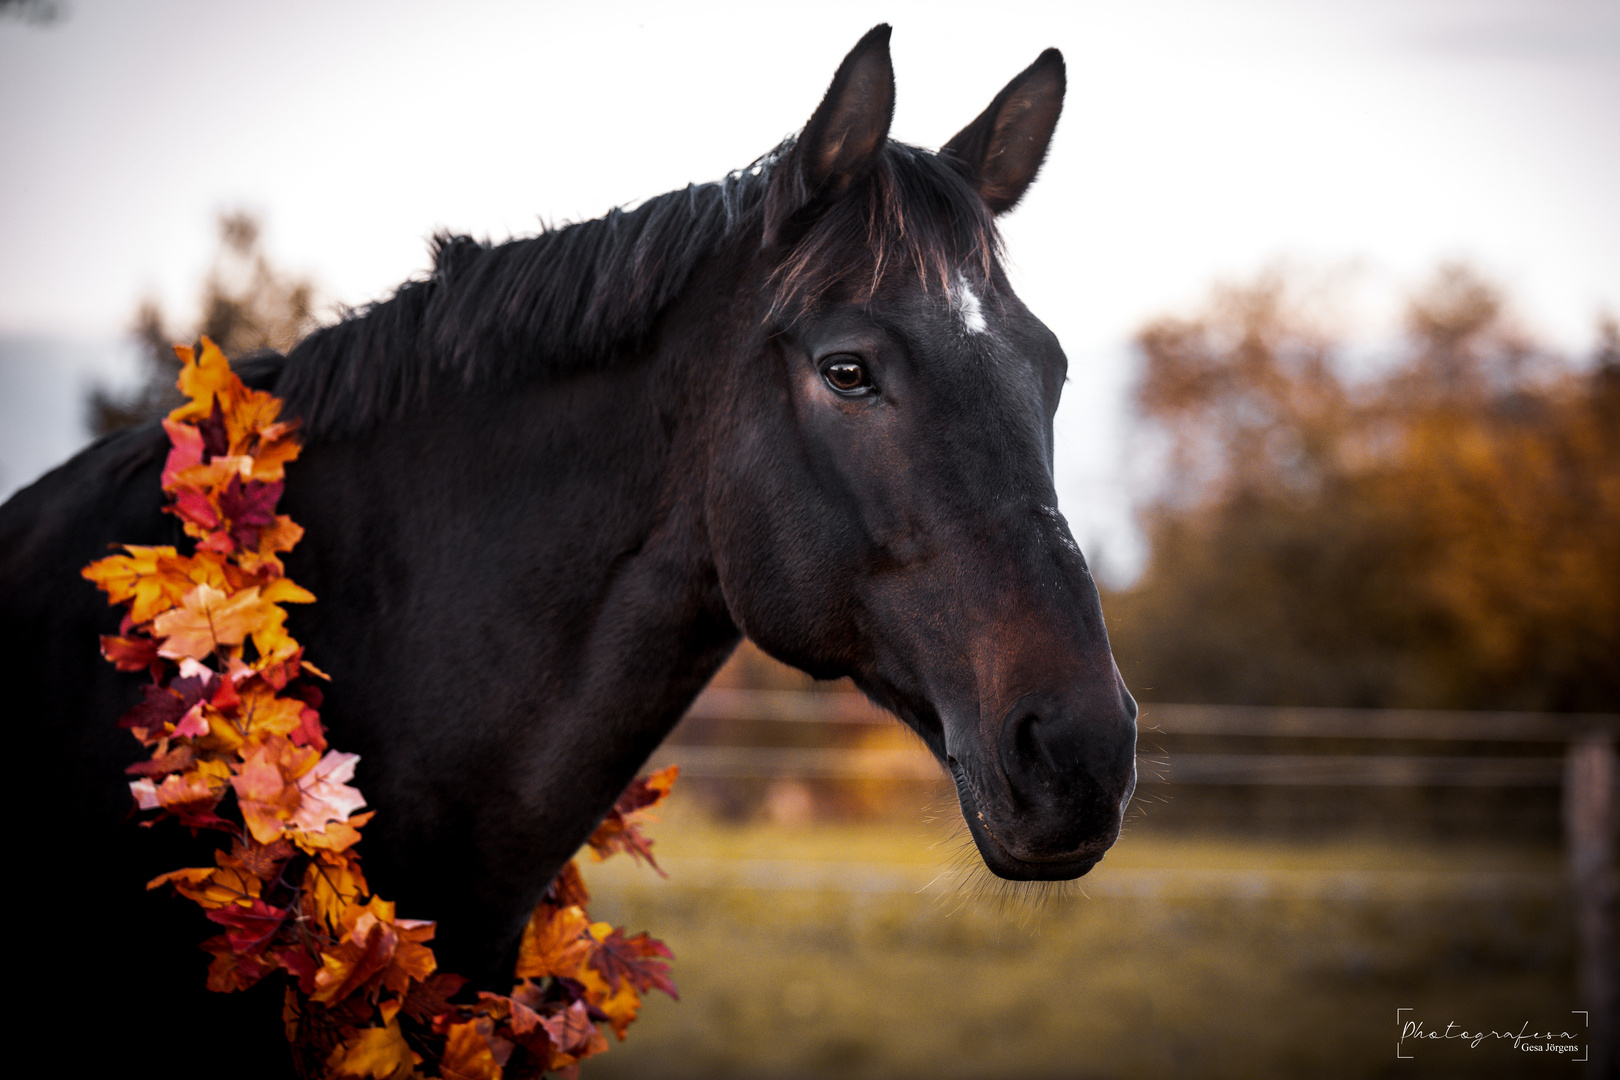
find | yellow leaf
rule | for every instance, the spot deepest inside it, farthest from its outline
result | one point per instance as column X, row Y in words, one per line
column 467, row 1053
column 266, row 787
column 620, row 1005
column 210, row 619
column 264, row 713
column 332, row 884
column 283, row 591
column 380, row 1053
column 212, row 887
column 556, row 941
column 277, row 446
column 201, row 379
column 283, row 535
column 155, row 578
column 337, row 836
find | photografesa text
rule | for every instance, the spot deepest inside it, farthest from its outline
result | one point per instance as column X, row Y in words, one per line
column 1562, row 1042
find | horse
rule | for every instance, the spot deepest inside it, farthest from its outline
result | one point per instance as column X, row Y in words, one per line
column 547, row 488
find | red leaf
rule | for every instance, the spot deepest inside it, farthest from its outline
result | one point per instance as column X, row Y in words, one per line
column 193, row 506
column 250, row 929
column 177, row 760
column 216, row 442
column 301, row 964
column 231, row 971
column 646, row 792
column 617, row 834
column 188, row 451
column 431, row 997
column 573, row 1032
column 251, row 508
column 164, row 705
column 130, row 653
column 618, row 957
column 620, row 831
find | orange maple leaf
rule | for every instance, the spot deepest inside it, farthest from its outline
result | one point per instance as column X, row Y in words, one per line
column 337, row 836
column 248, row 418
column 209, row 619
column 556, row 941
column 280, row 536
column 190, row 796
column 375, row 944
column 378, row 1052
column 472, row 1051
column 212, row 886
column 203, row 377
column 332, row 884
column 154, row 578
column 277, row 445
column 267, row 789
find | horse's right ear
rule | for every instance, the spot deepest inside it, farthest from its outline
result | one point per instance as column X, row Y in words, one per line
column 1003, row 149
column 844, row 136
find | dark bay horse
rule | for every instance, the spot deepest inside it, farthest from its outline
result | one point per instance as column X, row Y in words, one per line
column 546, row 489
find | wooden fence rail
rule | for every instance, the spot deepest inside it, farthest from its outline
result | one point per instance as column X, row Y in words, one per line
column 1585, row 769
column 1395, row 767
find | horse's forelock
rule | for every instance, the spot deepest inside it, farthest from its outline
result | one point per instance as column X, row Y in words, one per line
column 912, row 214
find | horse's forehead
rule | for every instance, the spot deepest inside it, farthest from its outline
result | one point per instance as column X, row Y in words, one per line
column 972, row 341
column 967, row 305
column 977, row 322
column 968, row 308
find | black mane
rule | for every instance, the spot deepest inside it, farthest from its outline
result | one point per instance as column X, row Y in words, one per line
column 496, row 315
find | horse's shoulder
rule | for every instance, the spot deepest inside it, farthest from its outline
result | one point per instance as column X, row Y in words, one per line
column 70, row 515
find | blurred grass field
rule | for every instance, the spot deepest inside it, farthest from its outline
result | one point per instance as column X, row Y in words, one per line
column 879, row 949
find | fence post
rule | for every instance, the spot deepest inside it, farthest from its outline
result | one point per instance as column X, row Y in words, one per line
column 1589, row 811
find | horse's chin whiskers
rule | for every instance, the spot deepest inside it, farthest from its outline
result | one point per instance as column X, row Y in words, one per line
column 965, row 881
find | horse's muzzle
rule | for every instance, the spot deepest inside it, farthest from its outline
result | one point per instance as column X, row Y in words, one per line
column 1045, row 797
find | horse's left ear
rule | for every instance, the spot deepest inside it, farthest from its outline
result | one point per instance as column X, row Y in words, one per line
column 1003, row 149
column 843, row 138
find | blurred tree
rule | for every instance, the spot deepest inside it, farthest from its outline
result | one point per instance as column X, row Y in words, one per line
column 33, row 12
column 247, row 305
column 1445, row 534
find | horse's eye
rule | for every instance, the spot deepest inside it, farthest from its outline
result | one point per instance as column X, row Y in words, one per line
column 847, row 376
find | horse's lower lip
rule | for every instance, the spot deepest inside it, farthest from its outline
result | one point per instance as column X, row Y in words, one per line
column 998, row 859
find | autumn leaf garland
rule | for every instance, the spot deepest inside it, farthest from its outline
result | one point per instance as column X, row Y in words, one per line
column 232, row 719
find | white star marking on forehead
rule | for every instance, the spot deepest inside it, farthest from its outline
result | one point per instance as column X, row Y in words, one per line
column 967, row 305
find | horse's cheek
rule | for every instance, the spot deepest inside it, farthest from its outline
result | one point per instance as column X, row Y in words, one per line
column 766, row 540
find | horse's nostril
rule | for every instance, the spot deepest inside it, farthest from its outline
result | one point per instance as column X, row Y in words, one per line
column 1049, row 752
column 1027, row 745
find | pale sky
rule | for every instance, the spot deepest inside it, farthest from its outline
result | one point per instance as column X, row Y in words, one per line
column 1202, row 140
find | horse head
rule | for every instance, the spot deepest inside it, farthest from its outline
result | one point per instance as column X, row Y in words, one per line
column 883, row 507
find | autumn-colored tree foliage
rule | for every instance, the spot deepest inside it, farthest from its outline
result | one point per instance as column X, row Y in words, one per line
column 232, row 719
column 1443, row 533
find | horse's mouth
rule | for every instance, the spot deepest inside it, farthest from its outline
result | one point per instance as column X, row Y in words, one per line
column 1003, row 863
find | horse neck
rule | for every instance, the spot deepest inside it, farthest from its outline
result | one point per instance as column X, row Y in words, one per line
column 540, row 561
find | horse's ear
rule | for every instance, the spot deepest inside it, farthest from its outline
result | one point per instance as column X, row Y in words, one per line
column 844, row 136
column 1003, row 149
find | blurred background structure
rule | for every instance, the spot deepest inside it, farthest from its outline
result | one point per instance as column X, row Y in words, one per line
column 1339, row 286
